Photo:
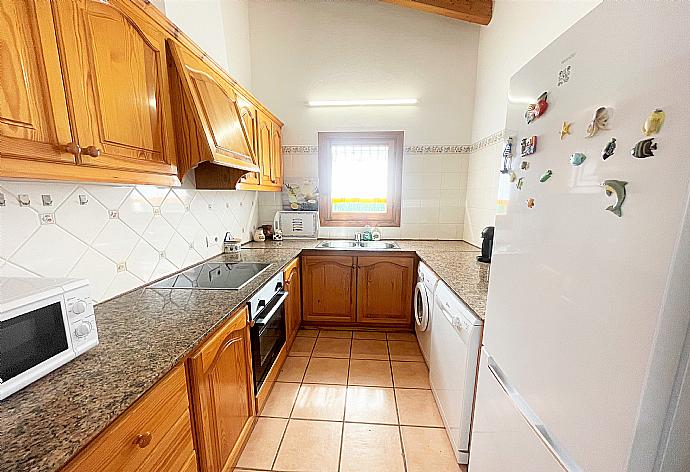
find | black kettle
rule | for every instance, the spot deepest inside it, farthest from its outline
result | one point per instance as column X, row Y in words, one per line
column 487, row 244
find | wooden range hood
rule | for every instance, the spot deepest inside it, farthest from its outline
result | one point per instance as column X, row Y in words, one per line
column 211, row 138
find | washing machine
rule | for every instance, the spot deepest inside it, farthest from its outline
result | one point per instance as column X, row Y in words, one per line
column 423, row 307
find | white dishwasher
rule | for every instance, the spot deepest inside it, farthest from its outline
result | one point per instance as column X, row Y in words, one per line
column 455, row 342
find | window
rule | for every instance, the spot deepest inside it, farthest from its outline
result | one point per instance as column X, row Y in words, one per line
column 360, row 176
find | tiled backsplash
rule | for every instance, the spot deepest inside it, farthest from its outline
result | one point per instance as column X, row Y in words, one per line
column 433, row 194
column 119, row 237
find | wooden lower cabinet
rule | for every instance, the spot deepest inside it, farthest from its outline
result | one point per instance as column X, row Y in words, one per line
column 328, row 288
column 384, row 289
column 371, row 290
column 154, row 434
column 222, row 394
column 293, row 304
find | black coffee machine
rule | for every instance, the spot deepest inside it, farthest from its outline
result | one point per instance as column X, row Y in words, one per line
column 487, row 244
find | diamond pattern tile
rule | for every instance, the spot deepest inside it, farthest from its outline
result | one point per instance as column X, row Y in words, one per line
column 85, row 240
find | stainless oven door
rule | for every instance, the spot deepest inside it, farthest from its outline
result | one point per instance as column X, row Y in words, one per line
column 267, row 336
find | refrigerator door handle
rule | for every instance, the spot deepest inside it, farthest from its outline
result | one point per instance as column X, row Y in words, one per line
column 532, row 419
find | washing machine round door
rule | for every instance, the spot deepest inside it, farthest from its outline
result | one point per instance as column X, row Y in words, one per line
column 421, row 306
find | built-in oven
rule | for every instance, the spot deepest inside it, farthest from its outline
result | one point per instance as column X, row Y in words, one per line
column 267, row 325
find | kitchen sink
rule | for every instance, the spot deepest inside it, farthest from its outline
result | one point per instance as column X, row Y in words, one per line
column 357, row 245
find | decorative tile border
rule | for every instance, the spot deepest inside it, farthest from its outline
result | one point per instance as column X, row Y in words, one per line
column 421, row 148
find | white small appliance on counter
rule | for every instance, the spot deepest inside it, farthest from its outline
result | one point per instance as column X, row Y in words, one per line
column 297, row 224
column 44, row 323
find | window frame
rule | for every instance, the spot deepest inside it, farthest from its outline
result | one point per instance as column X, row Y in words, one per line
column 391, row 218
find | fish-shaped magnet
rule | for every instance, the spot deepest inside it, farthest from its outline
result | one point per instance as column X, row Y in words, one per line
column 654, row 122
column 530, row 203
column 644, row 148
column 577, row 158
column 546, row 176
column 528, row 146
column 599, row 122
column 565, row 129
column 507, row 156
column 535, row 110
column 617, row 188
column 520, row 182
column 524, row 165
column 609, row 149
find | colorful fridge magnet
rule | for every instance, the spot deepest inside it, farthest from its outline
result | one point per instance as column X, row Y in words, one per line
column 524, row 165
column 520, row 182
column 546, row 176
column 609, row 149
column 654, row 121
column 599, row 122
column 577, row 158
column 644, row 148
column 528, row 146
column 535, row 110
column 507, row 157
column 530, row 203
column 617, row 188
column 565, row 129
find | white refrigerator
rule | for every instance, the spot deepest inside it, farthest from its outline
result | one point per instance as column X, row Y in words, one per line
column 585, row 347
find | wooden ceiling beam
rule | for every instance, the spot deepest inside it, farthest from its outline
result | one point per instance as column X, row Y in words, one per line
column 473, row 11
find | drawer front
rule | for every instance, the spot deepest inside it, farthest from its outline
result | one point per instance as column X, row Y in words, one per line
column 152, row 435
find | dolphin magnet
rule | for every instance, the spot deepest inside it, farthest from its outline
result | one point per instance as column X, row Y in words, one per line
column 616, row 187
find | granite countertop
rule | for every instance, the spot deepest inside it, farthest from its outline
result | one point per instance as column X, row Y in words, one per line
column 145, row 333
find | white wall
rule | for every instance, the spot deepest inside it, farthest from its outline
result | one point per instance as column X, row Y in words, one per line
column 518, row 30
column 362, row 49
column 219, row 27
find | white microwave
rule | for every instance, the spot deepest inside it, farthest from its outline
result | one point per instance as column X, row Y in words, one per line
column 44, row 323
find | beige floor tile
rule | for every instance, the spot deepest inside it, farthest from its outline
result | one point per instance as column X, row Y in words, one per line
column 320, row 402
column 369, row 349
column 402, row 337
column 307, row 332
column 250, row 470
column 428, row 449
column 327, row 370
column 302, row 346
column 405, row 351
column 331, row 347
column 310, row 446
column 370, row 373
column 281, row 399
column 417, row 408
column 370, row 447
column 410, row 375
column 335, row 333
column 369, row 335
column 263, row 444
column 370, row 405
column 293, row 369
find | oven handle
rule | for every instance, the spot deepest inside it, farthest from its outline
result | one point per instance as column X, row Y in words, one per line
column 264, row 320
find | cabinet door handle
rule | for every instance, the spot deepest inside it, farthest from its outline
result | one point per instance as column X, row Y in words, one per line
column 92, row 151
column 142, row 440
column 73, row 148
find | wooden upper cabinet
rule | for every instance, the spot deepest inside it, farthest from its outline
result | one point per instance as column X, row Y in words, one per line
column 222, row 393
column 265, row 146
column 116, row 73
column 384, row 289
column 249, row 117
column 293, row 305
column 34, row 123
column 328, row 288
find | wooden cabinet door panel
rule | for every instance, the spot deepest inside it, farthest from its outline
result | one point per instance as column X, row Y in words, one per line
column 222, row 393
column 328, row 288
column 276, row 155
column 265, row 143
column 293, row 305
column 34, row 123
column 119, row 87
column 384, row 289
column 248, row 115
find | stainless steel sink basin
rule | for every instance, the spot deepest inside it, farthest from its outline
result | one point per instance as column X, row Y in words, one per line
column 378, row 245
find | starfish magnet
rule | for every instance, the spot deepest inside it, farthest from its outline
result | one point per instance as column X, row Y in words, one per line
column 565, row 129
